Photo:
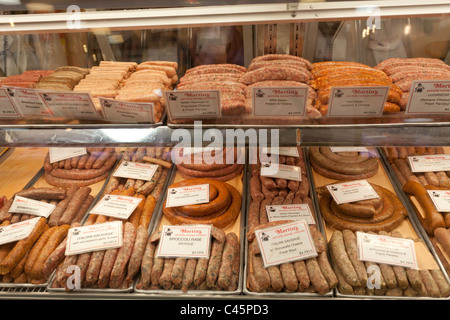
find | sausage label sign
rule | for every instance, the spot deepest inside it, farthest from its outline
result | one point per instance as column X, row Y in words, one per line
column 279, row 102
column 282, row 171
column 30, row 206
column 441, row 199
column 136, row 170
column 7, row 108
column 428, row 163
column 285, row 243
column 116, row 206
column 352, row 191
column 387, row 250
column 58, row 154
column 17, row 231
column 294, row 212
column 188, row 195
column 429, row 97
column 197, row 104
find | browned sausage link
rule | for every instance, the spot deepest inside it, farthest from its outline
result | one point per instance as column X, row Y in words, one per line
column 94, row 153
column 200, row 271
column 123, row 255
column 350, row 243
column 215, row 260
column 74, row 205
column 343, row 263
column 288, row 276
column 165, row 280
column 259, row 272
column 254, row 208
column 56, row 214
column 82, row 161
column 43, row 193
column 315, row 274
column 230, row 252
column 432, row 179
column 178, row 270
column 137, row 253
column 106, row 267
column 188, row 275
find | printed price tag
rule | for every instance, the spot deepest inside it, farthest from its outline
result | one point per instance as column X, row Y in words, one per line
column 435, row 162
column 94, row 237
column 282, row 171
column 349, row 149
column 189, row 241
column 294, row 212
column 17, row 231
column 183, row 196
column 7, row 108
column 116, row 206
column 285, row 243
column 357, row 101
column 128, row 112
column 387, row 250
column 194, row 104
column 429, row 97
column 441, row 199
column 352, row 191
column 136, row 170
column 282, row 151
column 28, row 102
column 69, row 105
column 30, row 206
column 279, row 102
column 58, row 154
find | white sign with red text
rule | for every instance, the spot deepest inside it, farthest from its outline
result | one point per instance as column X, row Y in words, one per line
column 352, row 191
column 188, row 241
column 136, row 170
column 429, row 97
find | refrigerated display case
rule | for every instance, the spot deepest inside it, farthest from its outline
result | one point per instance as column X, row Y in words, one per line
column 193, row 33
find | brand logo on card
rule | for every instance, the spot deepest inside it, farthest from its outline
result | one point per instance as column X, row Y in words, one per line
column 419, row 88
column 265, row 237
column 10, row 92
column 260, row 93
column 288, row 229
column 168, row 232
column 339, row 93
column 46, row 97
column 436, row 195
column 76, row 232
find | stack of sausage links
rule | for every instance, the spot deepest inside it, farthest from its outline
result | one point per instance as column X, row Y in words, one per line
column 398, row 159
column 355, row 277
column 62, row 79
column 223, row 208
column 71, row 205
column 221, row 169
column 416, row 184
column 330, row 74
column 279, row 70
column 311, row 275
column 27, row 79
column 116, row 268
column 441, row 244
column 23, row 261
column 385, row 213
column 80, row 171
column 343, row 165
column 105, row 80
column 148, row 83
column 224, row 77
column 403, row 71
column 218, row 272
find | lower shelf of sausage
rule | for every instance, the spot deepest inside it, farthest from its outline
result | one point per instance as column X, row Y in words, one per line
column 246, row 205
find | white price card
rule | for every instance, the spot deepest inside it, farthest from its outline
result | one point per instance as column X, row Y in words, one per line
column 285, row 243
column 94, row 237
column 352, row 191
column 294, row 212
column 281, row 171
column 188, row 195
column 127, row 112
column 349, row 149
column 136, row 170
column 58, row 154
column 28, row 102
column 357, row 101
column 441, row 199
column 428, row 163
column 17, row 231
column 193, row 104
column 429, row 97
column 282, row 151
column 70, row 105
column 189, row 241
column 279, row 102
column 387, row 250
column 116, row 206
column 30, row 206
column 7, row 108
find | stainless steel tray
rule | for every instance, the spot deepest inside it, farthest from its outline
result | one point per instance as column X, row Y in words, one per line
column 283, row 295
column 176, row 293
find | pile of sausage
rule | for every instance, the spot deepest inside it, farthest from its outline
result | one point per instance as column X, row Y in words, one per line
column 62, row 79
column 159, row 156
column 219, row 272
column 90, row 168
column 223, row 77
column 343, row 165
column 441, row 244
column 221, row 165
column 330, row 74
column 380, row 214
column 223, row 208
column 357, row 277
column 71, row 205
column 24, row 261
column 312, row 275
column 398, row 159
column 266, row 191
column 27, row 79
column 403, row 71
column 277, row 71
